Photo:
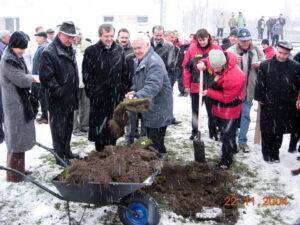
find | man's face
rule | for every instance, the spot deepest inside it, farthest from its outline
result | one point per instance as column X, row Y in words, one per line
column 123, row 39
column 233, row 39
column 40, row 40
column 107, row 38
column 203, row 41
column 244, row 44
column 140, row 48
column 6, row 39
column 171, row 37
column 65, row 39
column 217, row 69
column 282, row 54
column 50, row 36
column 158, row 35
column 19, row 52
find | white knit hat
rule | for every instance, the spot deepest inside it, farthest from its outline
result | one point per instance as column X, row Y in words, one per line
column 216, row 58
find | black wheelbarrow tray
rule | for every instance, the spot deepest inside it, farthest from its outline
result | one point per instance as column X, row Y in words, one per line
column 134, row 207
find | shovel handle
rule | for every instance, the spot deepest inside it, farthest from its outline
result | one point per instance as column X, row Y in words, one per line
column 200, row 101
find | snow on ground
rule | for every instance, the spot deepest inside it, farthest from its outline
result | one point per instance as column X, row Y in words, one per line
column 25, row 203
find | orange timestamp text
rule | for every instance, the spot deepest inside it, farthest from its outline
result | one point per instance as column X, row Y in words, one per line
column 247, row 201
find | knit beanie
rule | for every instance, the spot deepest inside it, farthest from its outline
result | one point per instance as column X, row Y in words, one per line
column 18, row 40
column 216, row 58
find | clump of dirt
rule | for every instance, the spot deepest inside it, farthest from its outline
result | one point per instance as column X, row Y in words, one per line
column 186, row 189
column 120, row 117
column 114, row 164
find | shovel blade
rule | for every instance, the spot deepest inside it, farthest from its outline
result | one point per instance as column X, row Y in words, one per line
column 199, row 151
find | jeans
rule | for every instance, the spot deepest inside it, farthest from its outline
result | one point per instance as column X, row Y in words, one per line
column 245, row 122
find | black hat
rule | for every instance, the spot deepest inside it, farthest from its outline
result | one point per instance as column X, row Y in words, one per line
column 68, row 28
column 41, row 34
column 234, row 32
column 50, row 31
column 18, row 40
column 265, row 42
column 286, row 45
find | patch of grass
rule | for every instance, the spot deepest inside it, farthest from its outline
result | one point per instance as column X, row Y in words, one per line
column 79, row 144
column 57, row 205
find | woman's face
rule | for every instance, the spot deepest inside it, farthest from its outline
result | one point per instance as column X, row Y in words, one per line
column 19, row 52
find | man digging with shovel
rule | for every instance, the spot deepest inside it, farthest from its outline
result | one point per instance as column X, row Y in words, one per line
column 227, row 93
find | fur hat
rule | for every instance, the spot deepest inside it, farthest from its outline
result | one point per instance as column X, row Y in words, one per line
column 18, row 40
column 216, row 58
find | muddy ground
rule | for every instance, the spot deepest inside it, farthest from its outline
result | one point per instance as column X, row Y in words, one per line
column 187, row 189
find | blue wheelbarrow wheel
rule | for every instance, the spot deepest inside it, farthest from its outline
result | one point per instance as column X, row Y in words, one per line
column 144, row 205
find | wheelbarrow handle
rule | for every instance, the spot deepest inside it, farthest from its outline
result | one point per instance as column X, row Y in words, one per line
column 54, row 153
column 32, row 181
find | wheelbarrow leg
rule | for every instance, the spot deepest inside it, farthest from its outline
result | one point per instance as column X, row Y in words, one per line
column 68, row 209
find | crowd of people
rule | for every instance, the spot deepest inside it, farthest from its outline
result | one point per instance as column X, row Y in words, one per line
column 78, row 84
column 274, row 26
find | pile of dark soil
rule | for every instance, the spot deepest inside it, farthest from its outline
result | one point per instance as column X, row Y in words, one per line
column 114, row 164
column 186, row 189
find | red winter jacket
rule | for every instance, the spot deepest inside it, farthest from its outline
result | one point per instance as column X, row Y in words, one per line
column 194, row 54
column 228, row 92
column 269, row 52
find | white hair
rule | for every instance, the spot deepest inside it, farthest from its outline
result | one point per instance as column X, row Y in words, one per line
column 143, row 37
column 3, row 33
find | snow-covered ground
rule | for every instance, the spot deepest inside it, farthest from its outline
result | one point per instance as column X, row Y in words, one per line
column 26, row 204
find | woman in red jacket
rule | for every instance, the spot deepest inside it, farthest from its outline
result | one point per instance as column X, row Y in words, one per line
column 227, row 93
column 197, row 51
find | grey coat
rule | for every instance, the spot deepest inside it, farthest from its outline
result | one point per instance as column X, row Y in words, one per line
column 151, row 81
column 19, row 135
column 245, row 65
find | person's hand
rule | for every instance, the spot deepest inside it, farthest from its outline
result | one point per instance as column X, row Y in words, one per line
column 204, row 93
column 130, row 95
column 201, row 66
column 255, row 65
column 298, row 104
column 187, row 90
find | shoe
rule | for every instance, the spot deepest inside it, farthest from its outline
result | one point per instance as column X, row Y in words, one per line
column 71, row 155
column 164, row 156
column 220, row 166
column 176, row 122
column 192, row 137
column 65, row 159
column 275, row 159
column 298, row 158
column 28, row 172
column 38, row 119
column 77, row 133
column 84, row 130
column 244, row 148
column 128, row 143
column 43, row 121
column 296, row 172
column 292, row 150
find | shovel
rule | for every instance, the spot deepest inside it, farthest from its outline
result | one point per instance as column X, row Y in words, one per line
column 199, row 151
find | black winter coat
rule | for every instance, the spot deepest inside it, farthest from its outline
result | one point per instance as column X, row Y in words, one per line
column 166, row 51
column 103, row 77
column 277, row 86
column 59, row 75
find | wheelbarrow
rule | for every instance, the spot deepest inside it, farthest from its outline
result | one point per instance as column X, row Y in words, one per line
column 134, row 207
